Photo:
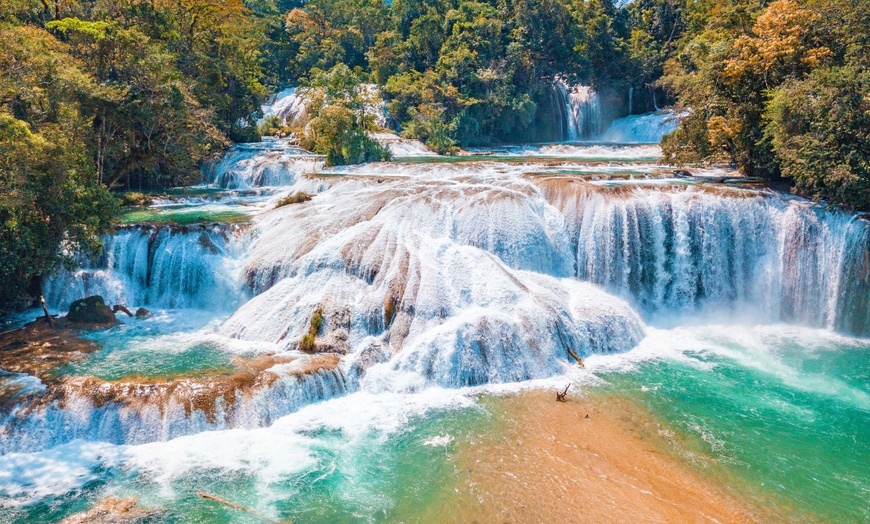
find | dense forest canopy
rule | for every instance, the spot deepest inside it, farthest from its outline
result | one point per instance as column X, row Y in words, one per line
column 137, row 94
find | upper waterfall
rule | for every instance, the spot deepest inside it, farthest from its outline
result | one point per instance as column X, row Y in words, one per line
column 288, row 105
column 579, row 110
column 291, row 106
column 265, row 164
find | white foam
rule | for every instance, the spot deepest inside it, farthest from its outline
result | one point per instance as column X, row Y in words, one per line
column 648, row 128
column 270, row 454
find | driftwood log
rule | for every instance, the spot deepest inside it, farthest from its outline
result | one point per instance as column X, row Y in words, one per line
column 118, row 307
column 239, row 507
column 580, row 362
column 45, row 310
column 561, row 397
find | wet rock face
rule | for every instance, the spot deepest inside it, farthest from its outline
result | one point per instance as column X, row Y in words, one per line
column 91, row 310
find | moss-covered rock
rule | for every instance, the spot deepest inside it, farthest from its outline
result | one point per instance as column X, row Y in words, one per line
column 91, row 310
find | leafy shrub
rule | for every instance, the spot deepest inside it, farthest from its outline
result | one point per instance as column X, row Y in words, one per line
column 340, row 117
column 427, row 124
column 308, row 344
column 134, row 198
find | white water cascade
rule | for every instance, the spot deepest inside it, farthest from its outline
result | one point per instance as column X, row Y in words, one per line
column 288, row 105
column 438, row 275
column 140, row 413
column 691, row 250
column 265, row 164
column 579, row 110
column 450, row 282
column 457, row 275
column 291, row 106
column 648, row 128
column 159, row 266
column 429, row 277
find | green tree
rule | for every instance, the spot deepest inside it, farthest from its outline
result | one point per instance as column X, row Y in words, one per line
column 51, row 203
column 148, row 128
column 341, row 118
column 820, row 130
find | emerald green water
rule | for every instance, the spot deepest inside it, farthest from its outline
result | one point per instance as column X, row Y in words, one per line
column 386, row 469
column 184, row 215
column 163, row 345
column 783, row 418
column 778, row 415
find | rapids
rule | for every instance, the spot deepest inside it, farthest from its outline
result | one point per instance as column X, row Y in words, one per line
column 159, row 266
column 436, row 279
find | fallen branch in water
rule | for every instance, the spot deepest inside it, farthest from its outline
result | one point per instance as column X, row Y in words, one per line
column 239, row 507
column 119, row 307
column 45, row 309
column 561, row 396
column 582, row 365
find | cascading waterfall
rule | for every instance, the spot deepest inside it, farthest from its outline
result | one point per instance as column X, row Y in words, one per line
column 266, row 164
column 466, row 282
column 159, row 266
column 582, row 111
column 648, row 128
column 466, row 279
column 427, row 276
column 291, row 106
column 139, row 413
column 288, row 105
column 691, row 250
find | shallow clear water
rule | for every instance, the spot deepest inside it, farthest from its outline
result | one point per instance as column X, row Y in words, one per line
column 361, row 458
column 782, row 413
column 778, row 414
column 166, row 344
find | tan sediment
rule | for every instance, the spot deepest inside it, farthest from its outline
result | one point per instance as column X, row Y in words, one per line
column 560, row 187
column 549, row 463
column 206, row 395
column 112, row 510
column 38, row 348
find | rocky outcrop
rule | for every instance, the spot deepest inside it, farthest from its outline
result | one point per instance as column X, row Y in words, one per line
column 91, row 310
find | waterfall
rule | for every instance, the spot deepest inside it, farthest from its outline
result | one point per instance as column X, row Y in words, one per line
column 266, row 164
column 581, row 113
column 159, row 266
column 630, row 100
column 287, row 105
column 457, row 283
column 291, row 106
column 136, row 413
column 457, row 276
column 648, row 128
column 673, row 252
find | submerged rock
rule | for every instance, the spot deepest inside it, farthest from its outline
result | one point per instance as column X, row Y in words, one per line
column 112, row 510
column 91, row 310
column 39, row 347
column 142, row 313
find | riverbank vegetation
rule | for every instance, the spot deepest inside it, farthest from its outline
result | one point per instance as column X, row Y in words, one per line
column 780, row 89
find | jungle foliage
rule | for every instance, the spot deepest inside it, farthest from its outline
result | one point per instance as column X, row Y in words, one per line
column 780, row 89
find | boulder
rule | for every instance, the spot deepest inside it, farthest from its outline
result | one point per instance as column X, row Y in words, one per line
column 142, row 313
column 91, row 310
